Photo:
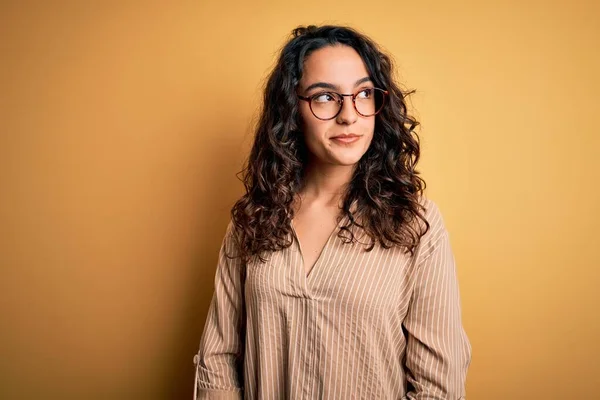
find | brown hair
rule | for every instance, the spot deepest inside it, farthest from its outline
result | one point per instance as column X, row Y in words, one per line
column 385, row 186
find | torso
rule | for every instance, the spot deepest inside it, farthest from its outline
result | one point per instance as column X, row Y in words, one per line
column 313, row 226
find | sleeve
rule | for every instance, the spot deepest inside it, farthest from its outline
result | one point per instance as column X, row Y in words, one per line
column 438, row 352
column 219, row 361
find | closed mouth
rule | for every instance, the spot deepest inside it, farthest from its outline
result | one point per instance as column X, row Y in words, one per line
column 346, row 136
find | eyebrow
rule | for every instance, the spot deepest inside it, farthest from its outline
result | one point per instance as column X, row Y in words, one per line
column 326, row 85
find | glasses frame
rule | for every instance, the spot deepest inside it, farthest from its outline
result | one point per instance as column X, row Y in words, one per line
column 309, row 99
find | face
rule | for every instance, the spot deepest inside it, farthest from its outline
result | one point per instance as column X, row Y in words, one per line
column 344, row 139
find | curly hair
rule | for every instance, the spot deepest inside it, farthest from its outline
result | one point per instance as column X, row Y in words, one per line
column 385, row 188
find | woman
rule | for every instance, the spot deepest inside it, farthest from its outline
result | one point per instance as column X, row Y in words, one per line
column 335, row 279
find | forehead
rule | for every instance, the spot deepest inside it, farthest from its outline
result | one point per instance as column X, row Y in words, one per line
column 339, row 65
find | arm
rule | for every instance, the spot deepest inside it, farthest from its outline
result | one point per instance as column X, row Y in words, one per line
column 219, row 361
column 438, row 351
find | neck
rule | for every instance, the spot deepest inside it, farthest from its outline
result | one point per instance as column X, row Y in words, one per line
column 326, row 183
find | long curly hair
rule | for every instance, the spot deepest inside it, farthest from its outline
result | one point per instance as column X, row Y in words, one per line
column 385, row 190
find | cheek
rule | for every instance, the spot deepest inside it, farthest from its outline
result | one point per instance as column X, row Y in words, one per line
column 368, row 128
column 313, row 137
column 312, row 128
column 370, row 125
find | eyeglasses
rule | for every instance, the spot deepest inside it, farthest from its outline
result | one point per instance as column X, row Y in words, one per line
column 327, row 105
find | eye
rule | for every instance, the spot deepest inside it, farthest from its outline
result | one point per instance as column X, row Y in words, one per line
column 324, row 97
column 364, row 94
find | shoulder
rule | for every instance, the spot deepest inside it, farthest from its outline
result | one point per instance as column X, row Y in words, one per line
column 433, row 215
column 230, row 240
column 229, row 230
column 437, row 229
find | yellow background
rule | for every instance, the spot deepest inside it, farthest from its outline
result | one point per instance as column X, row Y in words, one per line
column 123, row 125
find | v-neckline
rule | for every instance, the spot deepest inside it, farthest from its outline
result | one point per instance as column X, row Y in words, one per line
column 310, row 273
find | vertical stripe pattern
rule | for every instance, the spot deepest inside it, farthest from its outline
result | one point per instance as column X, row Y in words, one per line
column 361, row 325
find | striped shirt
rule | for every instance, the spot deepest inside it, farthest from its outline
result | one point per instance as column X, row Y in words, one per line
column 362, row 325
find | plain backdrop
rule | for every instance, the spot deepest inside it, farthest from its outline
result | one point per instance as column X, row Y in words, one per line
column 123, row 124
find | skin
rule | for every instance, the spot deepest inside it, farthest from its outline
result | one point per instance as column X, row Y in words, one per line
column 331, row 162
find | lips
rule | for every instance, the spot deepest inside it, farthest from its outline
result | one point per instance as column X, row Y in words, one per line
column 345, row 138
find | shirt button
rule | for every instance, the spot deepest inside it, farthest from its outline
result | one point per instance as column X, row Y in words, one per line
column 196, row 359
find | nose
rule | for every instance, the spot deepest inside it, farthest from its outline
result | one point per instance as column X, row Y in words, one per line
column 348, row 114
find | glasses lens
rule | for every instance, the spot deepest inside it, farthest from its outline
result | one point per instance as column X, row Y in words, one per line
column 325, row 105
column 370, row 101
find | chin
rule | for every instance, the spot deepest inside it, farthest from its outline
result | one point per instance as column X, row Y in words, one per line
column 347, row 159
column 339, row 157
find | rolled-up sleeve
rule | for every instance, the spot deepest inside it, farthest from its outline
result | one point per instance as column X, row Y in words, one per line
column 438, row 351
column 219, row 361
